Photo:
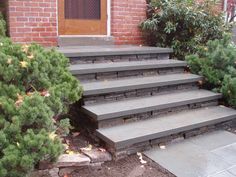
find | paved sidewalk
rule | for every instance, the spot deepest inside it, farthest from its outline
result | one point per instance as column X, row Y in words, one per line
column 209, row 155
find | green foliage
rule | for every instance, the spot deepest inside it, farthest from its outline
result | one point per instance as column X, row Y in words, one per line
column 35, row 88
column 217, row 63
column 182, row 24
column 2, row 26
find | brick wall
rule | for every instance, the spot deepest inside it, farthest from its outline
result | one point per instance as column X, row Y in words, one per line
column 33, row 21
column 125, row 18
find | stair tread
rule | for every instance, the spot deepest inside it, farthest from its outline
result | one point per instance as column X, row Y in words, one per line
column 111, row 110
column 124, row 66
column 111, row 50
column 128, row 134
column 100, row 87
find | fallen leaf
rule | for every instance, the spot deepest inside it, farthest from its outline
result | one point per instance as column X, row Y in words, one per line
column 52, row 135
column 162, row 147
column 19, row 100
column 23, row 64
column 141, row 158
column 88, row 148
column 9, row 60
column 31, row 56
column 75, row 134
column 70, row 152
column 25, row 48
column 45, row 93
column 102, row 149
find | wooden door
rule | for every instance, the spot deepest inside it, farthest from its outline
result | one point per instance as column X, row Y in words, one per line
column 82, row 17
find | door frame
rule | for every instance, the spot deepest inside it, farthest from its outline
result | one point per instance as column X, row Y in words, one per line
column 108, row 22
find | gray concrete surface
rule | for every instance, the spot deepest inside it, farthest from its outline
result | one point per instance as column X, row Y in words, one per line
column 128, row 134
column 125, row 66
column 100, row 87
column 200, row 156
column 104, row 50
column 111, row 110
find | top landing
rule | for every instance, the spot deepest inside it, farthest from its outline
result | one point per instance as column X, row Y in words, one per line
column 106, row 50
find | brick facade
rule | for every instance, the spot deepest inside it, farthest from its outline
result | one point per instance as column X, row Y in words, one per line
column 126, row 16
column 36, row 21
column 33, row 21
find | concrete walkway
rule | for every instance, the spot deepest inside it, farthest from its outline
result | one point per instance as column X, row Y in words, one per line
column 209, row 155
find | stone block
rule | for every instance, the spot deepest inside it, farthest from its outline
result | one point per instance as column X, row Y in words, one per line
column 97, row 155
column 74, row 160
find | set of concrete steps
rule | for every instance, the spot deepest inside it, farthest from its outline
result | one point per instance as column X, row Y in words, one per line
column 136, row 97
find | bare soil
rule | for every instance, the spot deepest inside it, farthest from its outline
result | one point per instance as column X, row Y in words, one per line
column 128, row 167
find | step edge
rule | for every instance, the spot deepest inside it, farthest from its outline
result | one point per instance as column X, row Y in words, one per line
column 112, row 53
column 121, row 144
column 141, row 86
column 126, row 68
column 216, row 96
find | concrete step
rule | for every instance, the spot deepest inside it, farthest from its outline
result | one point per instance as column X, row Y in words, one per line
column 111, row 110
column 110, row 50
column 124, row 136
column 124, row 66
column 128, row 84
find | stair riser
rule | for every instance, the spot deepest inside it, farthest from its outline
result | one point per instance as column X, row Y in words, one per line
column 180, row 136
column 117, row 58
column 127, row 74
column 154, row 113
column 93, row 99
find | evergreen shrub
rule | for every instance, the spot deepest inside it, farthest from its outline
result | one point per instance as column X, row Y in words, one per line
column 182, row 24
column 217, row 63
column 36, row 87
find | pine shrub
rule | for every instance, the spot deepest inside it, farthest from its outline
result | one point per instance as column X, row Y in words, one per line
column 217, row 63
column 36, row 87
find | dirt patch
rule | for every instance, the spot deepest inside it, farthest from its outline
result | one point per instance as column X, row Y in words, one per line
column 128, row 167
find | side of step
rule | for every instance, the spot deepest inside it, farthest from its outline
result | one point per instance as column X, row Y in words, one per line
column 150, row 132
column 126, row 88
column 117, row 109
column 117, row 70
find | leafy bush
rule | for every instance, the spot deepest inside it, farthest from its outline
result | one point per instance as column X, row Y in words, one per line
column 217, row 63
column 35, row 88
column 2, row 26
column 182, row 24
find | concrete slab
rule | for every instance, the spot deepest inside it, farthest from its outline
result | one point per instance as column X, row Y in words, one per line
column 232, row 170
column 101, row 87
column 228, row 153
column 187, row 159
column 124, row 66
column 106, row 50
column 111, row 110
column 216, row 141
column 223, row 174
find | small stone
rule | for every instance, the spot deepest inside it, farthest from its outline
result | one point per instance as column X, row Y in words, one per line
column 40, row 173
column 54, row 172
column 162, row 146
column 73, row 160
column 97, row 155
column 67, row 171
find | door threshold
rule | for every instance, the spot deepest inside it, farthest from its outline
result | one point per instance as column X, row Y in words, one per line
column 84, row 40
